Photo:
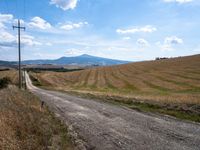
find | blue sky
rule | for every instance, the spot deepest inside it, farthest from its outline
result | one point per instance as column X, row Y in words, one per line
column 132, row 30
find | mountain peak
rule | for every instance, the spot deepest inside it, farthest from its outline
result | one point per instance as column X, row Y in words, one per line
column 85, row 55
column 84, row 59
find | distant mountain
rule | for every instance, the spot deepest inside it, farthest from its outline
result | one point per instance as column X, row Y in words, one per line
column 7, row 63
column 78, row 60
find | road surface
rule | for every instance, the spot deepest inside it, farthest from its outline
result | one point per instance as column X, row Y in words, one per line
column 105, row 126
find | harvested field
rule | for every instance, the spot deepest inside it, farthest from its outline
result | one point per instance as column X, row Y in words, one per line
column 174, row 80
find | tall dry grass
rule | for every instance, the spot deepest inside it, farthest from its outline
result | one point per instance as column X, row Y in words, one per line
column 12, row 74
column 24, row 126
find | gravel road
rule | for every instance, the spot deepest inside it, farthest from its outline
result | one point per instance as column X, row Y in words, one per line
column 105, row 126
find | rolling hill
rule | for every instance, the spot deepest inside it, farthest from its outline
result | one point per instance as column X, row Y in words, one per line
column 174, row 80
column 85, row 59
column 7, row 63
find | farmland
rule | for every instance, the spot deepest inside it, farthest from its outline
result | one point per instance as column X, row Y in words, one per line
column 175, row 80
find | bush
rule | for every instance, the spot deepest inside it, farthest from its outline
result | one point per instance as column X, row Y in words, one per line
column 4, row 82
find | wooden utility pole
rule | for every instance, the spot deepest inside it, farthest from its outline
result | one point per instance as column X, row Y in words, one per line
column 19, row 50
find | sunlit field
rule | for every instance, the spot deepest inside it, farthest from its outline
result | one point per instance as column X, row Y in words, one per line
column 172, row 80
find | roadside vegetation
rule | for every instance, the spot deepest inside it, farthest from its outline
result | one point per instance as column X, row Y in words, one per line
column 173, row 83
column 11, row 75
column 4, row 82
column 24, row 125
column 182, row 111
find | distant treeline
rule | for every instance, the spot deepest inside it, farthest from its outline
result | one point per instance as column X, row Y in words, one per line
column 4, row 69
column 37, row 70
column 161, row 58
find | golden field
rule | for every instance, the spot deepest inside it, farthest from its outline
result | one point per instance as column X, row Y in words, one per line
column 175, row 80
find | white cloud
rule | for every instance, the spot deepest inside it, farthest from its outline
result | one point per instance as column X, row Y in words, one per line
column 2, row 25
column 73, row 52
column 145, row 29
column 45, row 55
column 40, row 23
column 178, row 1
column 197, row 49
column 5, row 18
column 169, row 43
column 64, row 4
column 48, row 44
column 7, row 39
column 173, row 40
column 28, row 40
column 16, row 21
column 142, row 42
column 164, row 47
column 5, row 36
column 126, row 38
column 71, row 26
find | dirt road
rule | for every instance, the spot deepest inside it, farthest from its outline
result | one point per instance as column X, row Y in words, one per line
column 108, row 127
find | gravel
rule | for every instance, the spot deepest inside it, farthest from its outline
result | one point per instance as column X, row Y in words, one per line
column 105, row 126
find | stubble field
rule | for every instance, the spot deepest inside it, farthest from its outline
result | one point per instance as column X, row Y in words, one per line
column 174, row 80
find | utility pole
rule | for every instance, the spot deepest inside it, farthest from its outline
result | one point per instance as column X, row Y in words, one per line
column 19, row 50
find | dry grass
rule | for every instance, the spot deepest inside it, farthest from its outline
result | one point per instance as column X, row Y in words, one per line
column 24, row 126
column 12, row 74
column 171, row 81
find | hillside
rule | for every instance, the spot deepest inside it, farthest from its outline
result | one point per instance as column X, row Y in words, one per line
column 85, row 60
column 173, row 80
column 7, row 63
column 24, row 125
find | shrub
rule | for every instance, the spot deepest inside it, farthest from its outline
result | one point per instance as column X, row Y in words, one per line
column 4, row 82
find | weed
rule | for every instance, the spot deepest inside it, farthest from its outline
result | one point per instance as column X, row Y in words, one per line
column 4, row 82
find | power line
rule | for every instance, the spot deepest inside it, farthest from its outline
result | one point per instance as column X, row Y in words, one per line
column 24, row 9
column 17, row 9
column 19, row 27
column 4, row 4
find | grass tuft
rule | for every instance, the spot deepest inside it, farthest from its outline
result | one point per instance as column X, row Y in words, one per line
column 4, row 82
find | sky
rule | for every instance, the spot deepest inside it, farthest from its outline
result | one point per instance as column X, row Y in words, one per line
column 133, row 30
